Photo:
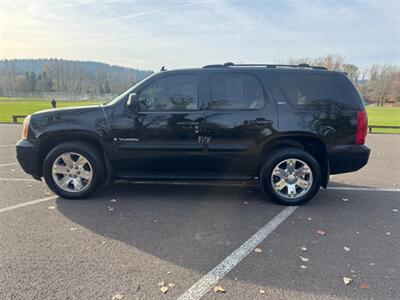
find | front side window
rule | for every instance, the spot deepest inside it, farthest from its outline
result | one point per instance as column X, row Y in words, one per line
column 174, row 92
column 313, row 90
column 236, row 91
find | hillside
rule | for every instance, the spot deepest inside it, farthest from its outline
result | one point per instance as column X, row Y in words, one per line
column 65, row 78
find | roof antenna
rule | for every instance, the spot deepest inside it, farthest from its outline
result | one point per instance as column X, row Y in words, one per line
column 163, row 69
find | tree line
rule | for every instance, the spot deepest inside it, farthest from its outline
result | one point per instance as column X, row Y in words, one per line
column 64, row 78
column 379, row 84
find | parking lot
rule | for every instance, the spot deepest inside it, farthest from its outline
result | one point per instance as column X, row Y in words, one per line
column 128, row 240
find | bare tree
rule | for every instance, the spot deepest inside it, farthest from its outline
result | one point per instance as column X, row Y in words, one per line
column 352, row 72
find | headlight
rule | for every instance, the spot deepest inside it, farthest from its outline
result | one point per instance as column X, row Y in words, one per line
column 26, row 127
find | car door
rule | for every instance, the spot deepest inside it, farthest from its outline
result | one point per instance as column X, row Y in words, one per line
column 239, row 118
column 161, row 137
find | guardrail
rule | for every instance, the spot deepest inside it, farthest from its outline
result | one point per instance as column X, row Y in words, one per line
column 16, row 117
column 378, row 126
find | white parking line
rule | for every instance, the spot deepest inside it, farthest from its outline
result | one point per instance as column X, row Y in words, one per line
column 372, row 189
column 8, row 208
column 11, row 164
column 200, row 288
column 18, row 179
column 6, row 146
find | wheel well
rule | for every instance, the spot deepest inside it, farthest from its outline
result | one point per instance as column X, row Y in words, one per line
column 312, row 145
column 56, row 139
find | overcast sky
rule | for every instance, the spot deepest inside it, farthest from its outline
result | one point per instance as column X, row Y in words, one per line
column 149, row 34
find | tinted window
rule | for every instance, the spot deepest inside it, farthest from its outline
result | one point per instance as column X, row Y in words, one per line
column 311, row 90
column 236, row 91
column 175, row 92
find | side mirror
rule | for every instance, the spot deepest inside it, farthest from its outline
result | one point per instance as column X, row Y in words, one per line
column 132, row 102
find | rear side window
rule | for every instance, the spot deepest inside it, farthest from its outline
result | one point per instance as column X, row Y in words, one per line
column 236, row 91
column 314, row 90
column 174, row 92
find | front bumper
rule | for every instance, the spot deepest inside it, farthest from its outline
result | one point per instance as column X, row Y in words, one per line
column 27, row 156
column 347, row 158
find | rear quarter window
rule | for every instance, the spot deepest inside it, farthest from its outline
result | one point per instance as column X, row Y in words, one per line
column 312, row 91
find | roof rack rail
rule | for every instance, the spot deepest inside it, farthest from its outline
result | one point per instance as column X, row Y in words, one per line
column 230, row 64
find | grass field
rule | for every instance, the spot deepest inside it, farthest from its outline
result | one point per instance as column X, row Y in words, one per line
column 384, row 116
column 387, row 116
column 26, row 106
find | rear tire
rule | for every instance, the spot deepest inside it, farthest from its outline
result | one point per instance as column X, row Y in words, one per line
column 290, row 176
column 80, row 181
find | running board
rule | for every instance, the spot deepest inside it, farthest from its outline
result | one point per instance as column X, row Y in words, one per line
column 239, row 183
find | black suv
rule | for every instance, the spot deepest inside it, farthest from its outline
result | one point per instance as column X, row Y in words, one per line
column 288, row 126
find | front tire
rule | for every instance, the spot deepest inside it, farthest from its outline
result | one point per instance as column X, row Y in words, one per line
column 73, row 170
column 290, row 176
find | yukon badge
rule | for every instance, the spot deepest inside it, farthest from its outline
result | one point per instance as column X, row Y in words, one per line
column 124, row 140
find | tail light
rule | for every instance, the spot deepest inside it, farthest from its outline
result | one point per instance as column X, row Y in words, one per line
column 26, row 127
column 362, row 127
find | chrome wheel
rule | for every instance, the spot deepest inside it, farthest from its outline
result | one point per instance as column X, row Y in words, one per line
column 72, row 172
column 291, row 178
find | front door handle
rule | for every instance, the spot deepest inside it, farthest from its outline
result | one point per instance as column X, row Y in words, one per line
column 260, row 122
column 187, row 124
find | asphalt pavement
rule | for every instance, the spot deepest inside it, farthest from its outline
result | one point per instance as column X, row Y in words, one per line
column 129, row 241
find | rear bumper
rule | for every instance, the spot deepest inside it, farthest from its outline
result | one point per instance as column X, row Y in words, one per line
column 27, row 157
column 347, row 158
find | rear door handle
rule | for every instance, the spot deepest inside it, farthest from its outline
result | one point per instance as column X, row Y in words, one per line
column 187, row 124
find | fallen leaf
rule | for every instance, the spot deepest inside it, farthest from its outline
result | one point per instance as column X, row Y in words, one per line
column 364, row 285
column 117, row 297
column 162, row 283
column 262, row 292
column 245, row 202
column 258, row 250
column 321, row 232
column 303, row 267
column 171, row 285
column 305, row 259
column 347, row 280
column 304, row 249
column 219, row 289
column 164, row 289
column 346, row 249
column 51, row 207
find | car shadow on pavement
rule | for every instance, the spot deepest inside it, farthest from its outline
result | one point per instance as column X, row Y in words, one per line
column 194, row 227
column 191, row 226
